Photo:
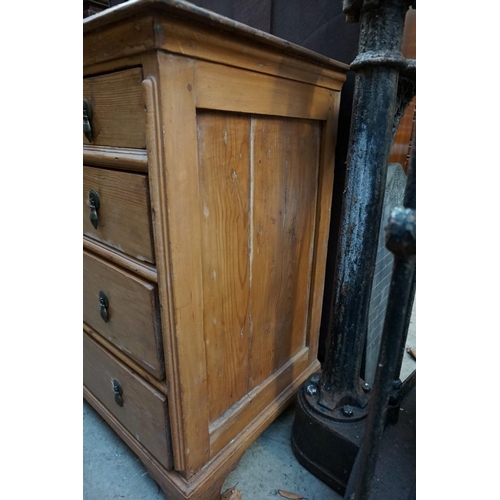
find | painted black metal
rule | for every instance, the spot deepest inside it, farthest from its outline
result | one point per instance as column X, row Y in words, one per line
column 87, row 118
column 94, row 204
column 377, row 66
column 330, row 408
column 103, row 306
column 325, row 447
column 118, row 392
column 401, row 240
column 407, row 85
column 395, row 472
column 407, row 325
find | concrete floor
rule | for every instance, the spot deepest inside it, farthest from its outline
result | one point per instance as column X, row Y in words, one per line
column 111, row 470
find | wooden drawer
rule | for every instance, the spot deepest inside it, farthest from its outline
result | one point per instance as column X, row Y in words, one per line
column 123, row 216
column 118, row 117
column 133, row 323
column 144, row 409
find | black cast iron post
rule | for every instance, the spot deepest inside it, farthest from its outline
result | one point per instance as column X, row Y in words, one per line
column 377, row 67
column 401, row 241
column 332, row 407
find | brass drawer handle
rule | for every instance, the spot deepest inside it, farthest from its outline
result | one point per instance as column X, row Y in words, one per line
column 87, row 118
column 117, row 389
column 104, row 304
column 94, row 203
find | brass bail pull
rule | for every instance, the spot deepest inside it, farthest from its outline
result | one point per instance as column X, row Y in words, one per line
column 87, row 118
column 94, row 203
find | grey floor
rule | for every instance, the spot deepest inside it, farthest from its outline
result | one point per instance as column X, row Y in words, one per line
column 111, row 470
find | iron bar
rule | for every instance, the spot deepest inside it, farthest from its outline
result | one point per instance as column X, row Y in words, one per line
column 331, row 411
column 409, row 309
column 401, row 241
column 377, row 65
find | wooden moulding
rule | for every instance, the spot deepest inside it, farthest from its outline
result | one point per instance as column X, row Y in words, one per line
column 160, row 385
column 143, row 409
column 157, row 184
column 124, row 212
column 180, row 27
column 325, row 193
column 133, row 160
column 207, row 483
column 178, row 176
column 133, row 324
column 117, row 109
column 122, row 41
column 239, row 416
column 142, row 269
column 256, row 93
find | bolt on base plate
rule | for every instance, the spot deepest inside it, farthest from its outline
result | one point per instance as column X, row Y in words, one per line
column 325, row 447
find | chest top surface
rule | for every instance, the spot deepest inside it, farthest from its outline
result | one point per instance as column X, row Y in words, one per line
column 139, row 26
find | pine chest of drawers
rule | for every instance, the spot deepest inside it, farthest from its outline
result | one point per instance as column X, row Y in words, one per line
column 208, row 154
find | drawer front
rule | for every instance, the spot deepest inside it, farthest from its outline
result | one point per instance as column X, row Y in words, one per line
column 130, row 319
column 120, row 217
column 117, row 116
column 143, row 409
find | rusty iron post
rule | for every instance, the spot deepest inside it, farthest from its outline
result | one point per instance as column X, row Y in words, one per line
column 332, row 408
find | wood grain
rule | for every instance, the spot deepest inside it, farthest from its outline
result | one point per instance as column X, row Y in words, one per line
column 144, row 408
column 240, row 132
column 258, row 184
column 285, row 173
column 181, row 28
column 157, row 180
column 133, row 325
column 325, row 191
column 134, row 160
column 207, row 483
column 124, row 215
column 224, row 158
column 118, row 110
column 148, row 272
column 256, row 93
column 182, row 191
column 231, row 423
column 117, row 44
column 176, row 35
column 112, row 65
column 108, row 346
